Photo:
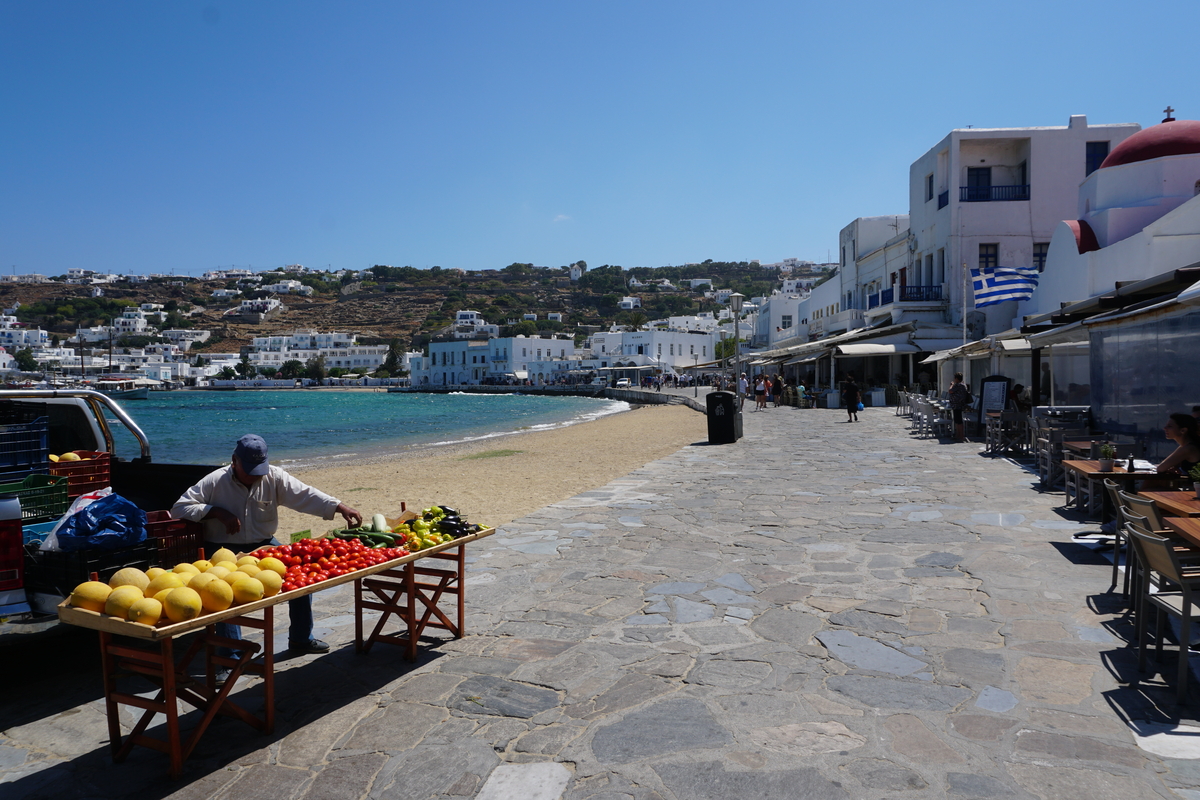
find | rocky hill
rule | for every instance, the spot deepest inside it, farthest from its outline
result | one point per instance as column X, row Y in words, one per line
column 401, row 303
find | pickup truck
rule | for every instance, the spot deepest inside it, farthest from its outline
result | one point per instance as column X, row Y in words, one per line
column 78, row 419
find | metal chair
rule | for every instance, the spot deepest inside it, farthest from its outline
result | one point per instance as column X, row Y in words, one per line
column 1157, row 555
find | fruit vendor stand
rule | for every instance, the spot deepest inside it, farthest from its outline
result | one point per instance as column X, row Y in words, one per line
column 400, row 589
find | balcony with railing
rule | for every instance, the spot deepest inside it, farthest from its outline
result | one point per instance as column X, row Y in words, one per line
column 920, row 294
column 905, row 294
column 988, row 194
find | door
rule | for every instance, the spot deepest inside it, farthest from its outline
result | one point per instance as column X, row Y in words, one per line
column 979, row 183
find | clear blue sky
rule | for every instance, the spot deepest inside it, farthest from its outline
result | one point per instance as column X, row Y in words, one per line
column 155, row 136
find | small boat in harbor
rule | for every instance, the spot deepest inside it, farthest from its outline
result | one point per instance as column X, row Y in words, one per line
column 123, row 389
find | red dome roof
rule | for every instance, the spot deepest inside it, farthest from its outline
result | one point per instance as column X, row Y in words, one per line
column 1176, row 138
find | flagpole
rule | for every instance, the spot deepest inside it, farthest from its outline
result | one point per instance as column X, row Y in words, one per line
column 964, row 318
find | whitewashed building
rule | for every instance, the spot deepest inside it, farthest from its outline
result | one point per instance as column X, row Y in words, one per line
column 992, row 197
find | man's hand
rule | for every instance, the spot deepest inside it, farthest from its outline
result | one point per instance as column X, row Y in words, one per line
column 231, row 522
column 352, row 517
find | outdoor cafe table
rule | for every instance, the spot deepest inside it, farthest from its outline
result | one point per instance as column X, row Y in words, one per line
column 128, row 648
column 1084, row 483
column 1188, row 528
column 1175, row 504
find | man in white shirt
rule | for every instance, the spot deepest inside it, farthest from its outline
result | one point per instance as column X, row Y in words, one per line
column 743, row 386
column 240, row 507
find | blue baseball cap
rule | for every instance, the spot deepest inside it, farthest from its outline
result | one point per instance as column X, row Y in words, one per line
column 251, row 453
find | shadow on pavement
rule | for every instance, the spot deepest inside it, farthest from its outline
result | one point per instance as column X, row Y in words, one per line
column 304, row 693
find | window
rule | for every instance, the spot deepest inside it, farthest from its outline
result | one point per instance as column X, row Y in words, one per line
column 928, row 187
column 692, row 350
column 1040, row 249
column 786, row 321
column 704, row 351
column 979, row 184
column 989, row 256
column 672, row 349
column 1096, row 153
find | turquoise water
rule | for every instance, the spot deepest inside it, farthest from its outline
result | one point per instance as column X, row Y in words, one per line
column 307, row 427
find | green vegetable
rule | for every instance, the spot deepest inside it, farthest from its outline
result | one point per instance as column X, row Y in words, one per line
column 379, row 523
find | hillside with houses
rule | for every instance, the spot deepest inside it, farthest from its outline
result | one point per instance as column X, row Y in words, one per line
column 235, row 322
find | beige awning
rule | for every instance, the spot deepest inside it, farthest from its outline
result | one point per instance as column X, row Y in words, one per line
column 875, row 349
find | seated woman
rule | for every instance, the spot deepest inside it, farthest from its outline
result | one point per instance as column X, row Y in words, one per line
column 1184, row 430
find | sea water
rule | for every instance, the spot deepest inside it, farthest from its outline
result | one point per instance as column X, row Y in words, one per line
column 306, row 428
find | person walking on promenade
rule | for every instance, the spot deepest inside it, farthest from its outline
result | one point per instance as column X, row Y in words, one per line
column 743, row 385
column 960, row 397
column 240, row 504
column 851, row 397
column 760, row 392
column 777, row 385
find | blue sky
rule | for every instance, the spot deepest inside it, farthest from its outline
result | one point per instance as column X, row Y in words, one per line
column 184, row 136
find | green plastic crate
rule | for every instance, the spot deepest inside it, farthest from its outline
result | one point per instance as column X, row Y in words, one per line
column 43, row 497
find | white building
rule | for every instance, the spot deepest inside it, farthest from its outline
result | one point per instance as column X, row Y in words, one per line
column 470, row 362
column 1137, row 216
column 629, row 303
column 288, row 287
column 132, row 322
column 225, row 294
column 32, row 277
column 468, row 324
column 577, row 271
column 339, row 350
column 993, row 197
column 670, row 349
column 15, row 336
column 184, row 338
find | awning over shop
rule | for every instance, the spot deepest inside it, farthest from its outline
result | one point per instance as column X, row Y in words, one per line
column 1014, row 346
column 927, row 345
column 874, row 349
column 810, row 359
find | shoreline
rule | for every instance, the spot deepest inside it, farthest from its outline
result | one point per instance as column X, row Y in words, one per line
column 498, row 479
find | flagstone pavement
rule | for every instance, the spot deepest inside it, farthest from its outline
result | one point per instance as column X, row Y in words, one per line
column 821, row 610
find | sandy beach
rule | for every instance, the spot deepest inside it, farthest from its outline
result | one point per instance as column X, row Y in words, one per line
column 498, row 480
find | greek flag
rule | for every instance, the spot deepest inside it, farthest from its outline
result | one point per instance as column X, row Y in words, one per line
column 998, row 284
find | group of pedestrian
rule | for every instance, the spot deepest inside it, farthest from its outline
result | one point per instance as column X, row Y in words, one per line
column 767, row 389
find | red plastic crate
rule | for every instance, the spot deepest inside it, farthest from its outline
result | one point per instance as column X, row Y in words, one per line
column 178, row 540
column 85, row 476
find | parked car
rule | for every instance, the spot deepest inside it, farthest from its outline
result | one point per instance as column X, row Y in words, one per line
column 622, row 383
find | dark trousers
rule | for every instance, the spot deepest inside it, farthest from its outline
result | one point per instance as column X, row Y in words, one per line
column 300, row 613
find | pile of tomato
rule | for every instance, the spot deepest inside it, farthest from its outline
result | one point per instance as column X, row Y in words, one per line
column 310, row 561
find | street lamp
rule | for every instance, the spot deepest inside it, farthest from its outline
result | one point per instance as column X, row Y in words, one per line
column 735, row 304
column 695, row 383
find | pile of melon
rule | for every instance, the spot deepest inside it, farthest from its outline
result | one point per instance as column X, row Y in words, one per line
column 185, row 592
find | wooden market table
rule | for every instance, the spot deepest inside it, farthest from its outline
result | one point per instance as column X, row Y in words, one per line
column 1175, row 504
column 128, row 648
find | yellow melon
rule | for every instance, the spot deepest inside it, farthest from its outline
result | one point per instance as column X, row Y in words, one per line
column 182, row 604
column 120, row 599
column 250, row 570
column 271, row 582
column 154, row 572
column 200, row 580
column 223, row 554
column 202, row 565
column 247, row 590
column 228, row 564
column 130, row 576
column 219, row 571
column 146, row 611
column 216, row 595
column 168, row 580
column 91, row 595
column 180, row 569
column 69, row 457
column 247, row 560
column 162, row 596
column 273, row 564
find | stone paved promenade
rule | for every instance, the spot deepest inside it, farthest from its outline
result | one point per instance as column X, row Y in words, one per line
column 823, row 610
